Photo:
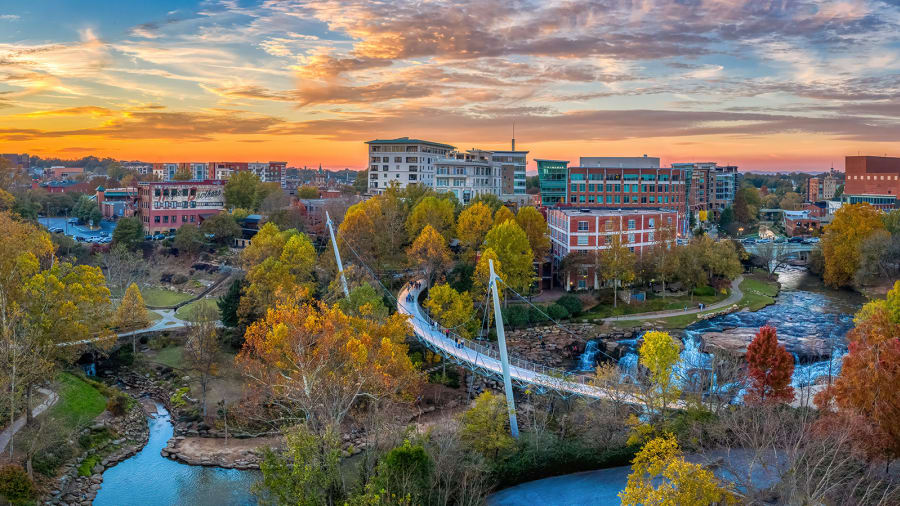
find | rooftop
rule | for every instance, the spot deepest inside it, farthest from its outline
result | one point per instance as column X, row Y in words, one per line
column 407, row 140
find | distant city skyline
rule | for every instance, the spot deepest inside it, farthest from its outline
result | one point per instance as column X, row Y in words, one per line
column 780, row 86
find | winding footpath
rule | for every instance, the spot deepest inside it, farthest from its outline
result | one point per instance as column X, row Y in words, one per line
column 17, row 425
column 735, row 297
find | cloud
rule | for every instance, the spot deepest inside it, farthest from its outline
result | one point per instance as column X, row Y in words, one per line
column 9, row 17
column 85, row 110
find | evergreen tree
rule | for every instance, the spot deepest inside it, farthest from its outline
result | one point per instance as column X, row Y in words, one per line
column 228, row 304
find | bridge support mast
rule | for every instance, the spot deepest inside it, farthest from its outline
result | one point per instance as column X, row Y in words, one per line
column 504, row 357
column 337, row 255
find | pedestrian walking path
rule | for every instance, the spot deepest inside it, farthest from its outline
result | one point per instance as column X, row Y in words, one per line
column 735, row 296
column 9, row 432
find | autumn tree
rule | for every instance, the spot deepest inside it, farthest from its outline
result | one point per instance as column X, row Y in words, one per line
column 365, row 302
column 535, row 227
column 489, row 199
column 791, row 201
column 278, row 263
column 659, row 354
column 189, row 239
column 472, row 226
column 616, row 263
column 316, row 363
column 201, row 350
column 182, row 174
column 452, row 309
column 746, row 205
column 223, row 227
column 485, row 426
column 769, row 368
column 843, row 238
column 122, row 266
column 132, row 313
column 430, row 253
column 661, row 476
column 482, row 277
column 437, row 212
column 241, row 189
column 510, row 243
column 502, row 214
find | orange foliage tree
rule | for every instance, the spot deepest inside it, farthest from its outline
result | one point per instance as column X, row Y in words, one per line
column 865, row 393
column 317, row 363
column 843, row 240
column 769, row 366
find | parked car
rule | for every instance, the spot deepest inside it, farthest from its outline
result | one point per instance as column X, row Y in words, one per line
column 79, row 238
column 159, row 236
column 106, row 240
column 780, row 239
column 810, row 240
column 749, row 241
column 148, row 237
column 795, row 239
column 73, row 220
column 56, row 230
column 104, row 234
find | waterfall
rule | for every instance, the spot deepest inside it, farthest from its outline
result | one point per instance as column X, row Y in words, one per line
column 588, row 359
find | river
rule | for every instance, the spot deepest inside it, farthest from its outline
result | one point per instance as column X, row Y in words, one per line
column 149, row 479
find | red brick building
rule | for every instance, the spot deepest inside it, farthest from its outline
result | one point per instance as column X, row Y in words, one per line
column 872, row 179
column 165, row 206
column 117, row 202
column 590, row 230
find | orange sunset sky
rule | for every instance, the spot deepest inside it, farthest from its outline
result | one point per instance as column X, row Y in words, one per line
column 766, row 85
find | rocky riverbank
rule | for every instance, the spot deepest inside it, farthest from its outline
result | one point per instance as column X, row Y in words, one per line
column 735, row 341
column 554, row 347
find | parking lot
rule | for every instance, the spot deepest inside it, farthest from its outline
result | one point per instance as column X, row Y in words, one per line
column 81, row 233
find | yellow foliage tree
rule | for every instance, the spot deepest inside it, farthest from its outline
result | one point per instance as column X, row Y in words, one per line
column 661, row 476
column 843, row 238
column 702, row 215
column 473, row 225
column 439, row 213
column 659, row 354
column 430, row 253
column 616, row 264
column 503, row 214
column 132, row 313
column 317, row 363
column 510, row 243
column 535, row 227
column 485, row 426
column 277, row 264
column 482, row 276
column 452, row 309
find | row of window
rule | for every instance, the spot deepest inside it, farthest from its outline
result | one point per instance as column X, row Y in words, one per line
column 582, row 240
column 623, row 199
column 597, row 176
column 627, row 188
column 165, row 219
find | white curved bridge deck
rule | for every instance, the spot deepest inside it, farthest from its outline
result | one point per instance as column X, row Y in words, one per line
column 485, row 360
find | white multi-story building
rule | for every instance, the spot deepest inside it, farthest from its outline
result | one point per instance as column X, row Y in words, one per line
column 512, row 166
column 468, row 174
column 403, row 161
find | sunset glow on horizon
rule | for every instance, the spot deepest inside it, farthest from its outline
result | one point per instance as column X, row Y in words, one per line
column 762, row 85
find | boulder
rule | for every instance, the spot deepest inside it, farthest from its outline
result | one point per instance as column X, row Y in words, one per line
column 735, row 341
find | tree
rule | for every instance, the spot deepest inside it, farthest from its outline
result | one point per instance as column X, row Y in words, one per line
column 364, row 302
column 278, row 263
column 661, row 476
column 485, row 426
column 453, row 310
column 502, row 214
column 189, row 239
column 535, row 227
column 223, row 227
column 746, row 205
column 405, row 473
column 275, row 199
column 892, row 222
column 201, row 350
column 241, row 189
column 430, row 253
column 229, row 303
column 361, row 183
column 438, row 213
column 616, row 263
column 773, row 254
column 510, row 243
column 769, row 368
column 288, row 218
column 122, row 266
column 316, row 363
column 182, row 174
column 307, row 192
column 865, row 393
column 843, row 238
column 87, row 211
column 307, row 474
column 726, row 219
column 129, row 232
column 659, row 353
column 489, row 199
column 482, row 275
column 472, row 226
column 791, row 201
column 132, row 313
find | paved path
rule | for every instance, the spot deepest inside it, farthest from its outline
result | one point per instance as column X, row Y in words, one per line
column 481, row 359
column 17, row 425
column 735, row 296
column 167, row 322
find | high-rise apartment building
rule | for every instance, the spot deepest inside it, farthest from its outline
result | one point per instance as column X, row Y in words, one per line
column 709, row 186
column 512, row 170
column 820, row 188
column 872, row 179
column 468, row 174
column 403, row 161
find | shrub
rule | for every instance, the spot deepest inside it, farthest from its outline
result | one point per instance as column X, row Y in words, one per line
column 87, row 465
column 516, row 316
column 557, row 312
column 535, row 316
column 705, row 290
column 49, row 460
column 15, row 485
column 117, row 405
column 179, row 279
column 571, row 302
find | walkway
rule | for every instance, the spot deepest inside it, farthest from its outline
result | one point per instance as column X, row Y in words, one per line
column 735, row 296
column 167, row 322
column 485, row 360
column 17, row 425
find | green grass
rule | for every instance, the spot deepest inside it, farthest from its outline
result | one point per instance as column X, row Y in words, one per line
column 154, row 316
column 87, row 466
column 758, row 292
column 188, row 311
column 78, row 403
column 154, row 296
column 170, row 356
column 652, row 304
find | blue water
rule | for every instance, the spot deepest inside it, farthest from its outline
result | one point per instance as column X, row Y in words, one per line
column 149, row 479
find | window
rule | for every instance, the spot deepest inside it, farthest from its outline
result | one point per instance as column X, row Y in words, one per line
column 581, row 198
column 412, row 177
column 574, row 187
column 650, row 236
column 609, row 199
column 609, row 225
column 582, row 225
column 184, row 218
column 630, row 238
column 582, row 240
column 156, row 219
column 630, row 224
column 193, row 203
column 590, row 188
column 581, row 187
column 398, row 159
column 166, row 219
column 650, row 222
column 192, row 218
column 582, row 284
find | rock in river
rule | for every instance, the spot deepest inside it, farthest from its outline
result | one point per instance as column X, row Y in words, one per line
column 734, row 341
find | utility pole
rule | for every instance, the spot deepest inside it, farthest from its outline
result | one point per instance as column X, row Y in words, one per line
column 337, row 255
column 504, row 357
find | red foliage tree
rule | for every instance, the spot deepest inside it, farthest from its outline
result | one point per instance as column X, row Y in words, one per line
column 770, row 367
column 865, row 394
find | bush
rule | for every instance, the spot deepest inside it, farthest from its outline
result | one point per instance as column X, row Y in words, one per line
column 571, row 302
column 704, row 291
column 48, row 461
column 87, row 465
column 179, row 279
column 516, row 316
column 535, row 316
column 15, row 485
column 117, row 405
column 557, row 312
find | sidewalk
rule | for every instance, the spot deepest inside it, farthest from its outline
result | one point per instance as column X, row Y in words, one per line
column 732, row 299
column 7, row 434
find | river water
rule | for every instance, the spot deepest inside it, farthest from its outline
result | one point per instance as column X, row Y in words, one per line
column 149, row 479
column 804, row 307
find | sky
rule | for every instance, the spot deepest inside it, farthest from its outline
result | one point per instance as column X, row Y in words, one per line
column 764, row 84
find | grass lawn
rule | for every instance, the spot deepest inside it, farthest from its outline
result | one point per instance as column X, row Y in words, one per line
column 652, row 304
column 188, row 311
column 154, row 316
column 170, row 356
column 78, row 403
column 154, row 296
